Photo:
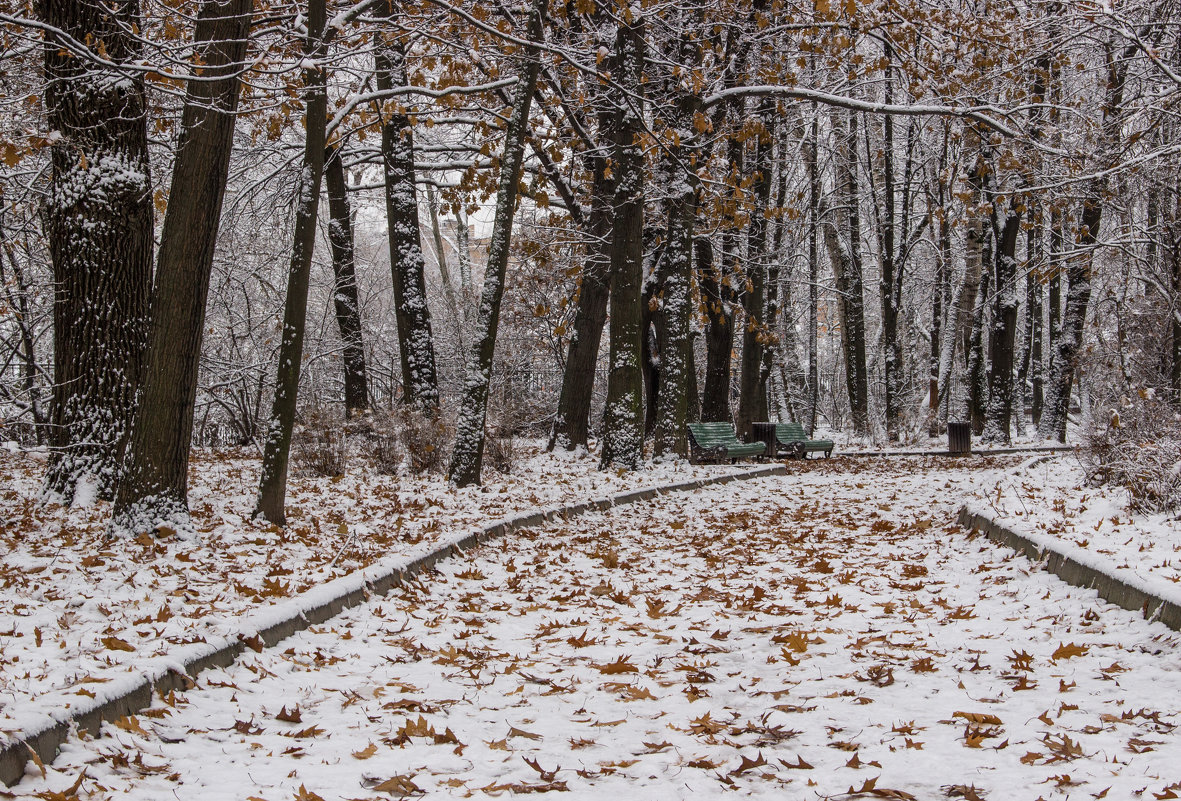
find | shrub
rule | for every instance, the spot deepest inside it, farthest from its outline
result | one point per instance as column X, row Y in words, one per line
column 1135, row 442
column 319, row 445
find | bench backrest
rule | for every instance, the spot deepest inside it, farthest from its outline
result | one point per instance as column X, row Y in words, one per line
column 707, row 435
column 790, row 432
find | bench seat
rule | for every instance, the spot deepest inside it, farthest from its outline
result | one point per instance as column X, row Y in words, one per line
column 715, row 442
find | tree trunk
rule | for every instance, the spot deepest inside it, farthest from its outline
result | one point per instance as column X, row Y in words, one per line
column 814, row 193
column 1003, row 333
column 416, row 348
column 98, row 222
column 153, row 489
column 572, row 424
column 469, row 435
column 977, row 369
column 847, row 269
column 756, row 333
column 674, row 310
column 717, row 297
column 623, row 423
column 272, row 486
column 344, row 294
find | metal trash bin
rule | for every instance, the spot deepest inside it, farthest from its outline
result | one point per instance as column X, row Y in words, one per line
column 959, row 439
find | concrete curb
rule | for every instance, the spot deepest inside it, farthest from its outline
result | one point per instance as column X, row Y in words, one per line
column 1051, row 449
column 1072, row 571
column 45, row 739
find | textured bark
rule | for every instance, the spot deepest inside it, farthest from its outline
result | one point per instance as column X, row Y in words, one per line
column 674, row 310
column 153, row 489
column 977, row 368
column 468, row 455
column 717, row 299
column 623, row 423
column 98, row 223
column 847, row 269
column 572, row 424
column 1030, row 362
column 1003, row 332
column 416, row 349
column 752, row 383
column 814, row 193
column 345, row 301
column 891, row 266
column 1065, row 352
column 272, row 485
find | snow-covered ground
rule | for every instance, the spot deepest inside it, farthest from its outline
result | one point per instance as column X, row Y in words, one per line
column 824, row 634
column 80, row 610
column 1049, row 500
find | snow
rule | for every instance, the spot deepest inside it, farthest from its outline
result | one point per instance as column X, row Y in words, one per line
column 65, row 587
column 791, row 637
column 1048, row 501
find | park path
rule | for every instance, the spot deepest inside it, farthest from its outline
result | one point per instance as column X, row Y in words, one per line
column 829, row 633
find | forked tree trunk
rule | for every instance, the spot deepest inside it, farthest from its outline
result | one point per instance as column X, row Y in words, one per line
column 466, row 459
column 416, row 347
column 272, row 485
column 153, row 489
column 98, row 226
column 345, row 300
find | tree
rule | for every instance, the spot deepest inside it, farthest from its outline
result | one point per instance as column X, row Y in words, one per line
column 623, row 435
column 272, row 485
column 153, row 487
column 345, row 300
column 416, row 349
column 99, row 226
column 468, row 455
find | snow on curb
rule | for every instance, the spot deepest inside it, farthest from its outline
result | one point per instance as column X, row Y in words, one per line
column 1156, row 599
column 39, row 735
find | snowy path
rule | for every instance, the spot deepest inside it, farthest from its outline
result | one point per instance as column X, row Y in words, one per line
column 794, row 637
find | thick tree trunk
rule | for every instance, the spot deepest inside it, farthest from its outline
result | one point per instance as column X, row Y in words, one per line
column 572, row 424
column 1029, row 372
column 468, row 455
column 1003, row 333
column 416, row 345
column 344, row 294
column 674, row 309
column 153, row 489
column 98, row 222
column 977, row 368
column 272, row 486
column 623, row 423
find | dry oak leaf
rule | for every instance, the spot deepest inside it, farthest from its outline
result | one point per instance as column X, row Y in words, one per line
column 401, row 786
column 620, row 665
column 981, row 718
column 116, row 644
column 1068, row 651
column 365, row 753
column 290, row 717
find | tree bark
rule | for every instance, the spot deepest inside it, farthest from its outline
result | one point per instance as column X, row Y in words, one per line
column 98, row 222
column 272, row 487
column 674, row 310
column 466, row 459
column 623, row 423
column 346, row 302
column 153, row 489
column 416, row 349
column 752, row 383
column 847, row 268
column 717, row 299
column 1003, row 333
column 571, row 427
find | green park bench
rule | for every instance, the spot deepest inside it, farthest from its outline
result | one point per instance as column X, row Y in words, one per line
column 714, row 442
column 789, row 439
